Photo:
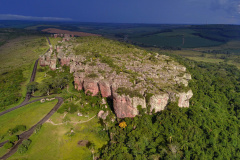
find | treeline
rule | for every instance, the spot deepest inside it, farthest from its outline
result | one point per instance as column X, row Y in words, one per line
column 174, row 48
column 220, row 33
column 54, row 84
column 209, row 129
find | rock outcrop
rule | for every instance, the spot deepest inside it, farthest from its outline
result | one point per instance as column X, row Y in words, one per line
column 184, row 98
column 123, row 106
column 91, row 86
column 105, row 88
column 139, row 73
column 78, row 80
column 102, row 114
column 159, row 102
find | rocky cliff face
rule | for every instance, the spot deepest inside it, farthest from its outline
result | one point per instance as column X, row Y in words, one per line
column 136, row 72
column 159, row 102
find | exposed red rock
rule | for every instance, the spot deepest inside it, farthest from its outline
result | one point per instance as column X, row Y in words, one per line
column 105, row 89
column 65, row 61
column 90, row 85
column 123, row 106
column 60, row 31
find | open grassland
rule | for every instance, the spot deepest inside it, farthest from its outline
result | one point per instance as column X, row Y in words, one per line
column 53, row 142
column 54, row 41
column 21, row 51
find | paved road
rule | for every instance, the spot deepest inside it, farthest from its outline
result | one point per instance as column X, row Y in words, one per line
column 28, row 133
column 28, row 95
column 48, row 41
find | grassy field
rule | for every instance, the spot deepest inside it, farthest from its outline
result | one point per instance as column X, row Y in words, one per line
column 54, row 41
column 21, row 116
column 27, row 115
column 52, row 142
column 21, row 52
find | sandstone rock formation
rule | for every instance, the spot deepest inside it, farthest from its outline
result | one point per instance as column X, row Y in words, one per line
column 105, row 88
column 138, row 73
column 184, row 98
column 123, row 106
column 102, row 114
column 159, row 102
column 91, row 86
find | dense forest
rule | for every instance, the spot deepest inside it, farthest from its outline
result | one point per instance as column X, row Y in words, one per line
column 209, row 129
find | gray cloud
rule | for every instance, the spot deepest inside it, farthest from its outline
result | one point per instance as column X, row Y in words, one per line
column 21, row 17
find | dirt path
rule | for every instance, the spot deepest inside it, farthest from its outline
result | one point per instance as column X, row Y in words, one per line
column 56, row 124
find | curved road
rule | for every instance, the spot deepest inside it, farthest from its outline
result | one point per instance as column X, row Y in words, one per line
column 28, row 133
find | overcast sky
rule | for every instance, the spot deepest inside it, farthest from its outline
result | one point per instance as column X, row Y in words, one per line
column 125, row 11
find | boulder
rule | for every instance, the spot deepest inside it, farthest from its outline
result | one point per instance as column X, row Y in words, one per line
column 53, row 63
column 65, row 61
column 78, row 80
column 184, row 98
column 42, row 61
column 78, row 83
column 105, row 89
column 91, row 85
column 159, row 102
column 102, row 114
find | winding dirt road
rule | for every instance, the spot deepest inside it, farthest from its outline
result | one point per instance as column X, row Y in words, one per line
column 28, row 133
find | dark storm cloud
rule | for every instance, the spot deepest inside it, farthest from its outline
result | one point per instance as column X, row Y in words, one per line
column 229, row 6
column 126, row 11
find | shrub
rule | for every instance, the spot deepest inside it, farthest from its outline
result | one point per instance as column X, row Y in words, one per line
column 92, row 75
column 13, row 138
column 16, row 129
column 22, row 149
column 26, row 143
column 38, row 127
column 21, row 127
column 73, row 108
column 8, row 145
column 63, row 109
